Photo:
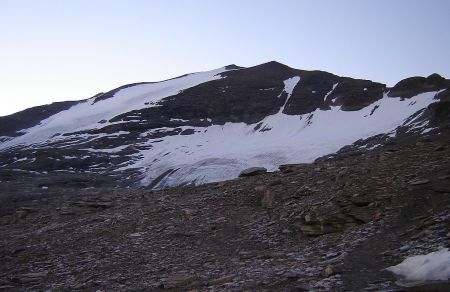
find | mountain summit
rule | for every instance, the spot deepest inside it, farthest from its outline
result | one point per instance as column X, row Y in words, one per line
column 209, row 126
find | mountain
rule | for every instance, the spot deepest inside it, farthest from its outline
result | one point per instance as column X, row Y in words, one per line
column 209, row 126
column 356, row 197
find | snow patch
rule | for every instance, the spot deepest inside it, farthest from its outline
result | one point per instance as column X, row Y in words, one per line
column 289, row 86
column 178, row 120
column 21, row 159
column 428, row 130
column 330, row 92
column 416, row 270
column 107, row 150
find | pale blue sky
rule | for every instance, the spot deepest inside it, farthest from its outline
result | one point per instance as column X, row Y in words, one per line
column 52, row 50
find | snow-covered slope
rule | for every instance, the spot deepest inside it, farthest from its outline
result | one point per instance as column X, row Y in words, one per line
column 91, row 114
column 209, row 126
column 220, row 152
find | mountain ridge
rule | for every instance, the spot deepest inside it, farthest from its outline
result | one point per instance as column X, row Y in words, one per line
column 208, row 126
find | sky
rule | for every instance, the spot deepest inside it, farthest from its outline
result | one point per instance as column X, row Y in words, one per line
column 55, row 50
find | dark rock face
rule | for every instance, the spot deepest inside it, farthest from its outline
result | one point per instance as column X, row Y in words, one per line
column 356, row 94
column 351, row 94
column 412, row 86
column 109, row 94
column 309, row 94
column 440, row 113
column 248, row 95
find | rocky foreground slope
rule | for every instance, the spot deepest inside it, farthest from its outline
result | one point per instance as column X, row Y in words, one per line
column 333, row 225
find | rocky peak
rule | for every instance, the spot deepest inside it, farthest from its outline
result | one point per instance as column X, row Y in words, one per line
column 233, row 67
column 412, row 86
column 437, row 79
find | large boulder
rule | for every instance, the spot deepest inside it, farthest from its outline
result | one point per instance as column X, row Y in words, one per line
column 253, row 171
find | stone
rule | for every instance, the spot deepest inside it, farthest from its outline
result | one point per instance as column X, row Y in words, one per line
column 267, row 200
column 18, row 250
column 419, row 182
column 178, row 281
column 28, row 209
column 252, row 171
column 245, row 255
column 28, row 277
column 293, row 275
column 444, row 177
column 441, row 187
column 303, row 287
column 418, row 235
column 302, row 191
column 19, row 215
column 331, row 255
column 328, row 271
column 260, row 189
column 189, row 212
column 325, row 219
column 221, row 280
column 405, row 247
column 360, row 201
column 287, row 168
column 22, row 213
column 439, row 148
column 93, row 204
column 276, row 182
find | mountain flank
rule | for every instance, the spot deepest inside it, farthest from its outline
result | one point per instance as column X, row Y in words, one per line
column 266, row 178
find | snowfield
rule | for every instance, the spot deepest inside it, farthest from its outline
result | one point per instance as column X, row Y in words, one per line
column 220, row 152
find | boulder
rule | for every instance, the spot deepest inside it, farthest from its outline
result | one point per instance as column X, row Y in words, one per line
column 29, row 277
column 327, row 218
column 252, row 171
column 178, row 281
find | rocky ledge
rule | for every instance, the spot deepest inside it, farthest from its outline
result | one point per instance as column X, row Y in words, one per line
column 334, row 225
